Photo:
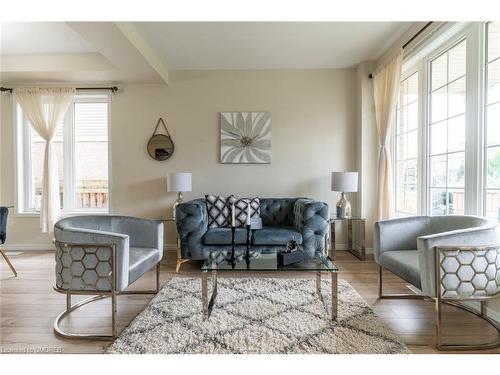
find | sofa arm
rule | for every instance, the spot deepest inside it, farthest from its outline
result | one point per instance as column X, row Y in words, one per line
column 93, row 238
column 398, row 234
column 142, row 232
column 311, row 219
column 192, row 224
column 475, row 237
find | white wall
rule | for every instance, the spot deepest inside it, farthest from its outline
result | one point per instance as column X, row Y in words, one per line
column 366, row 148
column 313, row 128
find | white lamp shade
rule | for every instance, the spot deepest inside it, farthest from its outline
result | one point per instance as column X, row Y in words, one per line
column 180, row 181
column 346, row 182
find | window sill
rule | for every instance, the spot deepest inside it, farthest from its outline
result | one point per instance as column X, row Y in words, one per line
column 26, row 214
column 29, row 214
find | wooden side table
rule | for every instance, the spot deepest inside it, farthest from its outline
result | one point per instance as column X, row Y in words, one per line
column 360, row 253
column 180, row 260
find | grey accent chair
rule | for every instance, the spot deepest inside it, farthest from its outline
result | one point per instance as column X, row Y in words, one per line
column 283, row 219
column 4, row 212
column 448, row 259
column 101, row 256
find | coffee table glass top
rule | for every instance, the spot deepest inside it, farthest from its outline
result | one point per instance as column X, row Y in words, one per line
column 221, row 261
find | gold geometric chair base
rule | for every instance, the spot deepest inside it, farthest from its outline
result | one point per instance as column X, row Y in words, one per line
column 8, row 262
column 482, row 314
column 70, row 308
column 95, row 297
column 439, row 326
column 477, row 260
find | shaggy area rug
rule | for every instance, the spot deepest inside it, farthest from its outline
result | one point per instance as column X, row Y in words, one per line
column 256, row 315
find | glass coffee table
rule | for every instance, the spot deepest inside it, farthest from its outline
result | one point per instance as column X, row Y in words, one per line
column 220, row 262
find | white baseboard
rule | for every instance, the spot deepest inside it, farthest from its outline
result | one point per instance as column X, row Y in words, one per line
column 368, row 250
column 28, row 247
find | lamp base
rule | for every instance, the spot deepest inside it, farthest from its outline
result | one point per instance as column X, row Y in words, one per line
column 176, row 203
column 343, row 208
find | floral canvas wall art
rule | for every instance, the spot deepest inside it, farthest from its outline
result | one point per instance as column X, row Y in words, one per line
column 245, row 137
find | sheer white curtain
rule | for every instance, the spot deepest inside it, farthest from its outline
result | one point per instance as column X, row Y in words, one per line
column 45, row 109
column 385, row 91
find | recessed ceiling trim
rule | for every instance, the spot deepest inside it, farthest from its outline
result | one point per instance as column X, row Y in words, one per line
column 144, row 48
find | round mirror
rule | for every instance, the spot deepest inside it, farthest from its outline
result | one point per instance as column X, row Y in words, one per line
column 160, row 147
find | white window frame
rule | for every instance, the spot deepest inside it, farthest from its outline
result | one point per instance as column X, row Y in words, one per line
column 474, row 141
column 23, row 183
column 459, row 38
column 483, row 136
column 407, row 74
column 410, row 69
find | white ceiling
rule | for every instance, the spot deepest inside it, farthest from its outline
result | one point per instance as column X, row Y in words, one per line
column 23, row 38
column 269, row 45
column 144, row 52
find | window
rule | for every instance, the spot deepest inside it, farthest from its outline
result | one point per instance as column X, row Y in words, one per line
column 406, row 146
column 459, row 123
column 492, row 121
column 81, row 146
column 446, row 124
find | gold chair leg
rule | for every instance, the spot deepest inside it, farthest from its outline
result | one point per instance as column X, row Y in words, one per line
column 483, row 308
column 438, row 323
column 381, row 295
column 152, row 291
column 113, row 314
column 158, row 277
column 8, row 262
column 380, row 281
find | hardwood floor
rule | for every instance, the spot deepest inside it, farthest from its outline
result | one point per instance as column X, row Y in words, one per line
column 28, row 306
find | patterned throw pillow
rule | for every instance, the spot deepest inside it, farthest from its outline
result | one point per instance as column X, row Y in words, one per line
column 219, row 214
column 240, row 209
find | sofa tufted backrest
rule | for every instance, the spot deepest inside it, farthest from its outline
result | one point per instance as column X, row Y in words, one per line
column 277, row 212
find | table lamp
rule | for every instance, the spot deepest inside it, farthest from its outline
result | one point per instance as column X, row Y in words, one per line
column 178, row 182
column 344, row 182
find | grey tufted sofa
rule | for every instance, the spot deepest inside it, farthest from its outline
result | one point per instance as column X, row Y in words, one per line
column 283, row 219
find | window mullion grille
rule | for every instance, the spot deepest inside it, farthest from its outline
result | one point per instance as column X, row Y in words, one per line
column 401, row 141
column 422, row 125
column 486, row 146
column 485, row 65
column 68, row 161
column 447, row 196
column 473, row 113
column 28, row 175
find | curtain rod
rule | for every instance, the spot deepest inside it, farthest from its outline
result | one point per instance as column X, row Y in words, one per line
column 111, row 88
column 411, row 39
